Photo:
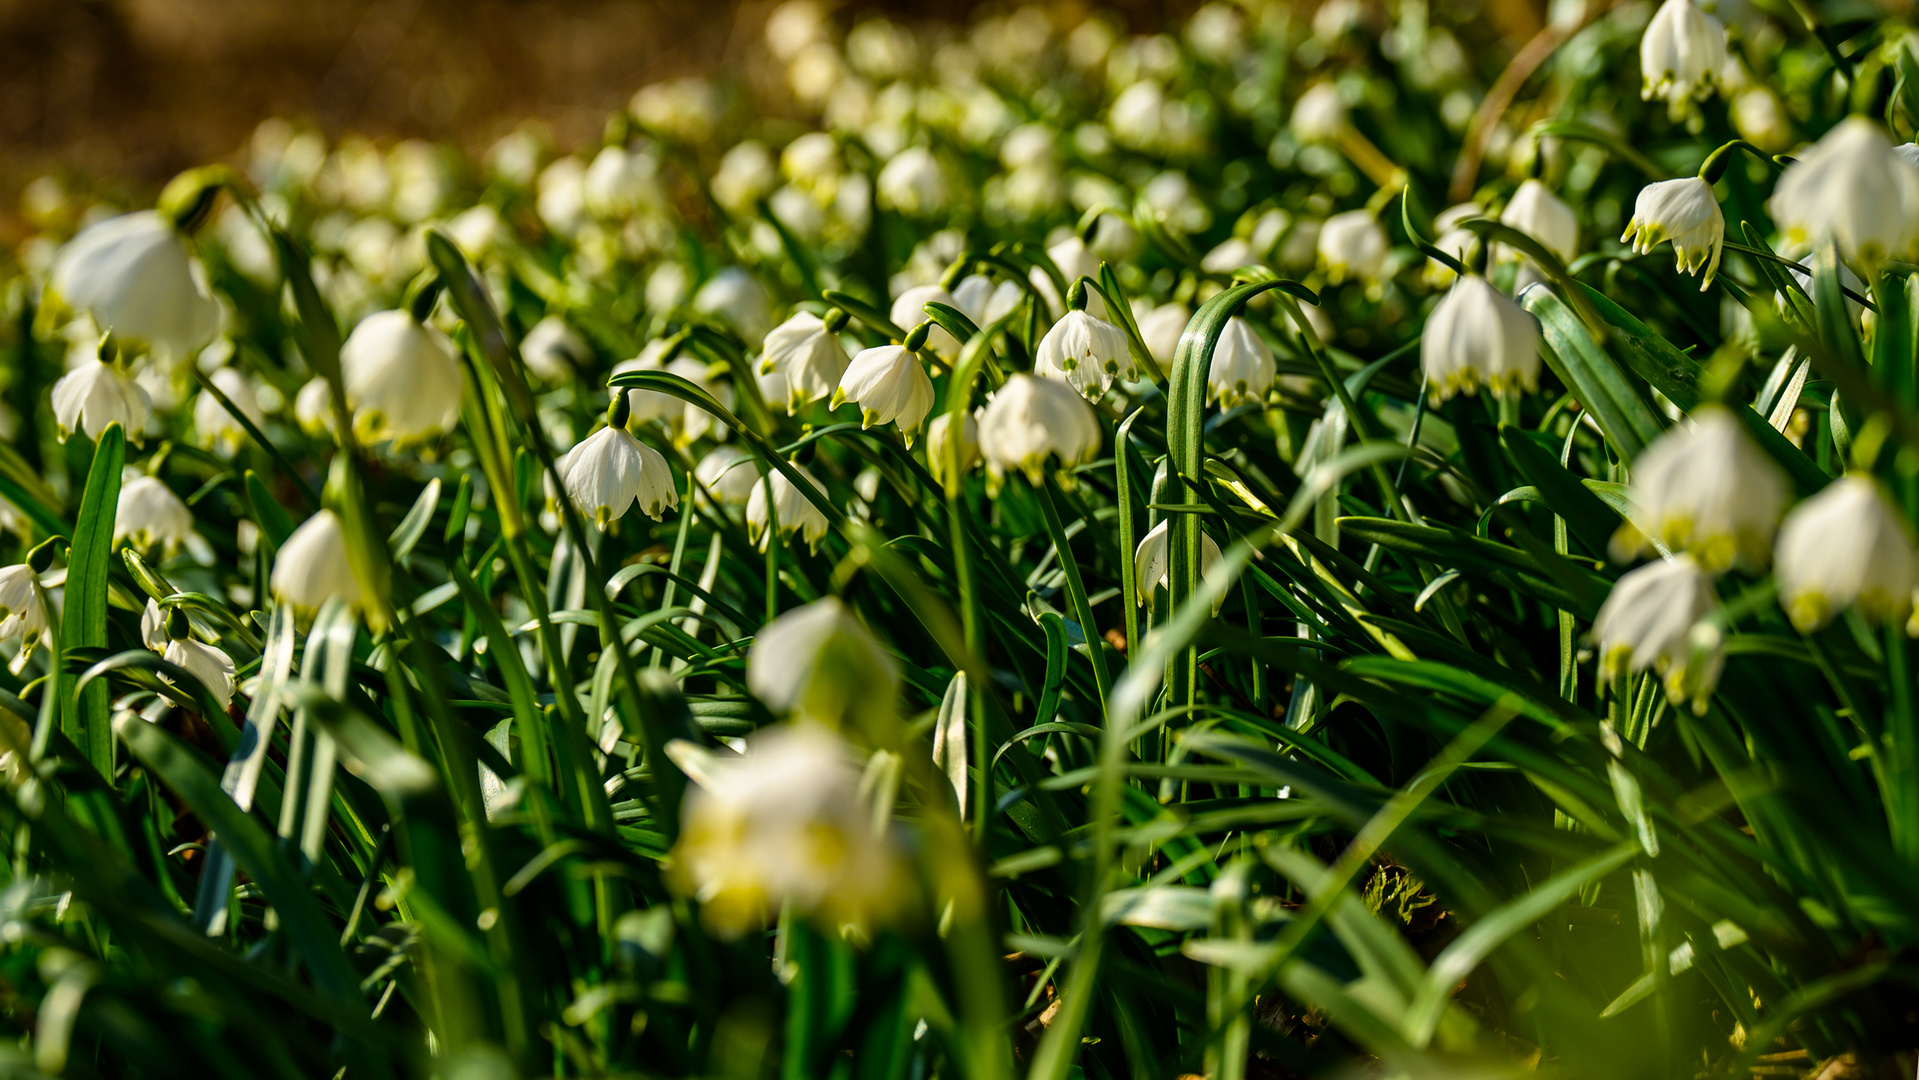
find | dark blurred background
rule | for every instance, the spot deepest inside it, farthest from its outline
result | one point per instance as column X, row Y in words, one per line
column 128, row 92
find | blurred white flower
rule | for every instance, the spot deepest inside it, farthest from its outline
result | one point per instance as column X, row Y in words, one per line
column 1537, row 212
column 795, row 511
column 1030, row 419
column 784, row 826
column 746, row 175
column 914, row 183
column 619, row 182
column 212, row 421
column 1852, row 190
column 1452, row 240
column 312, row 566
column 730, row 473
column 1161, row 329
column 1242, row 370
column 944, row 438
column 1152, row 562
column 890, row 387
column 1651, row 619
column 1682, row 53
column 1761, row 120
column 402, row 381
column 553, row 350
column 820, row 662
column 984, row 302
column 23, row 616
column 686, row 109
column 909, row 310
column 1685, row 212
column 793, row 26
column 95, row 394
column 1319, row 115
column 1843, row 547
column 611, row 471
column 1086, row 354
column 1477, row 336
column 477, row 230
column 561, row 200
column 1075, row 260
column 133, row 274
column 1706, row 488
column 1353, row 245
column 734, row 297
column 313, row 407
column 212, row 666
column 150, row 515
column 808, row 355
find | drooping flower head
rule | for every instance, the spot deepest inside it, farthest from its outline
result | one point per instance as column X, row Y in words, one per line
column 97, row 394
column 1030, row 419
column 808, row 354
column 1851, row 190
column 1844, row 547
column 1242, row 370
column 1477, row 336
column 1086, row 354
column 1652, row 619
column 133, row 274
column 402, row 381
column 794, row 511
column 1708, row 489
column 312, row 566
column 1685, row 212
column 890, row 387
column 1682, row 53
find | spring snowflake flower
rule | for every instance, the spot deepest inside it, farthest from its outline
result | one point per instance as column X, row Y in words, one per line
column 741, row 302
column 1685, row 212
column 1319, row 115
column 1353, row 245
column 1478, row 336
column 1681, row 54
column 312, row 565
column 150, row 515
column 914, row 183
column 313, row 407
column 1845, row 546
column 730, row 473
column 216, row 426
column 96, row 394
column 553, row 351
column 909, row 310
column 611, row 471
column 1242, row 370
column 785, row 826
column 794, row 510
column 1537, row 212
column 1652, row 619
column 1152, row 562
column 134, row 275
column 1852, row 190
column 1707, row 489
column 985, row 302
column 808, row 354
column 944, row 438
column 745, row 176
column 819, row 662
column 1030, row 419
column 1086, row 354
column 23, row 614
column 211, row 665
column 402, row 381
column 890, row 387
column 619, row 182
column 1161, row 328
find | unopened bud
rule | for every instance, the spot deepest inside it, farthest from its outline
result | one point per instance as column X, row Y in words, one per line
column 916, row 338
column 835, row 320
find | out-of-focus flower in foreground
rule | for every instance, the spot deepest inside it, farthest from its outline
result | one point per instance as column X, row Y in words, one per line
column 1652, row 619
column 1030, row 419
column 402, row 381
column 1845, row 546
column 1851, row 190
column 312, row 566
column 133, row 274
column 1477, row 336
column 1708, row 489
column 820, row 662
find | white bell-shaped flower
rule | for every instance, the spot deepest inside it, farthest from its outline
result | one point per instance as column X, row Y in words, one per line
column 150, row 515
column 746, row 175
column 1319, row 115
column 985, row 302
column 1477, row 336
column 23, row 615
column 1537, row 212
column 1086, row 354
column 734, row 297
column 133, row 273
column 1652, row 619
column 1845, row 546
column 1452, row 240
column 945, row 439
column 211, row 665
column 313, row 407
column 1353, row 245
column 402, row 381
column 1681, row 54
column 820, row 662
column 1030, row 419
column 794, row 510
column 553, row 350
column 1685, row 212
column 1850, row 189
column 312, row 566
column 730, row 473
column 214, row 423
column 785, row 827
column 909, row 310
column 611, row 471
column 1242, row 370
column 890, row 387
column 1161, row 329
column 914, row 183
column 1152, row 562
column 1706, row 488
column 619, row 182
column 808, row 355
column 96, row 394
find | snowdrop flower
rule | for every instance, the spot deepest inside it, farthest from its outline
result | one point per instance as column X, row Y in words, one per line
column 1685, row 212
column 1706, row 488
column 552, row 350
column 808, row 353
column 1030, row 419
column 784, row 826
column 402, row 381
column 1650, row 619
column 1537, row 212
column 133, row 274
column 313, row 407
column 150, row 515
column 1242, row 369
column 944, row 437
column 1852, row 190
column 889, row 386
column 795, row 511
column 1152, row 562
column 733, row 296
column 1161, row 328
column 215, row 425
column 611, row 472
column 730, row 473
column 170, row 634
column 1681, row 54
column 23, row 614
column 913, row 183
column 1086, row 354
column 1319, row 115
column 312, row 566
column 1844, row 546
column 1353, row 244
column 984, row 302
column 1478, row 336
column 909, row 310
column 820, row 662
column 96, row 394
